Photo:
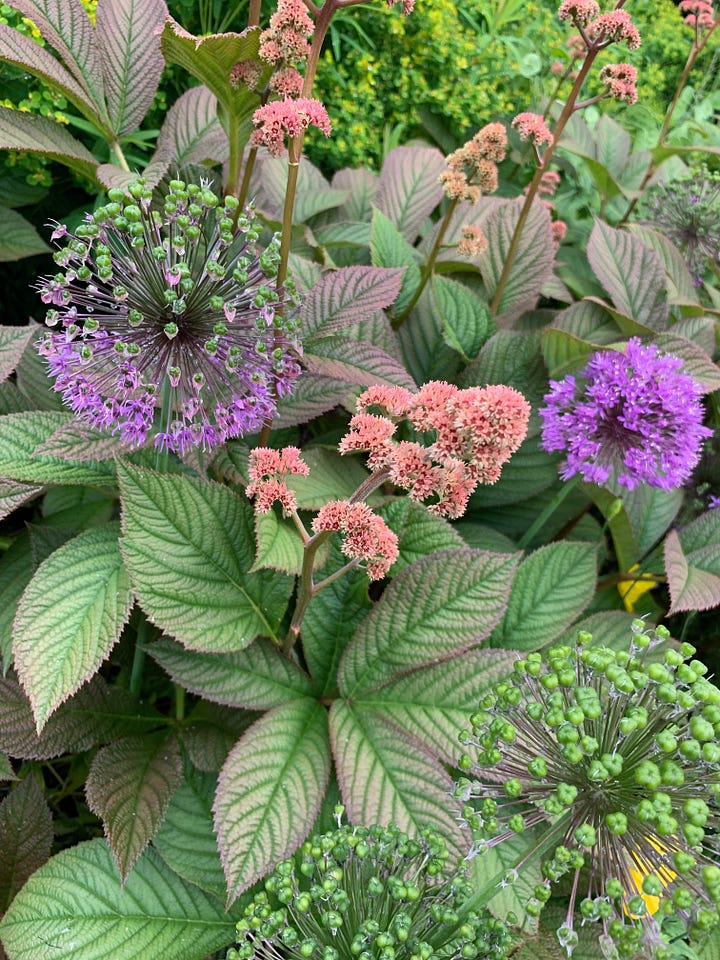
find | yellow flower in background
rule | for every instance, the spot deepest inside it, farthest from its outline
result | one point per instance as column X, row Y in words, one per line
column 640, row 869
column 631, row 590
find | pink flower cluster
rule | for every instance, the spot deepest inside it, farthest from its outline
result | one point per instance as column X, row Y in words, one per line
column 531, row 126
column 475, row 430
column 366, row 536
column 247, row 72
column 614, row 27
column 286, row 39
column 620, row 79
column 581, row 12
column 699, row 13
column 282, row 118
column 472, row 169
column 268, row 468
column 473, row 242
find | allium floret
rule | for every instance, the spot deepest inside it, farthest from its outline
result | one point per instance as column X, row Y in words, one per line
column 368, row 892
column 611, row 759
column 174, row 308
column 627, row 418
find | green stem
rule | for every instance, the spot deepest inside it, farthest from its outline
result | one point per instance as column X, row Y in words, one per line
column 565, row 115
column 695, row 51
column 548, row 511
column 247, row 175
column 136, row 672
column 179, row 702
column 427, row 269
column 161, row 454
column 119, row 155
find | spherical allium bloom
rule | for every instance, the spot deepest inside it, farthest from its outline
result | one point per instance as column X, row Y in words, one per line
column 368, row 892
column 614, row 27
column 366, row 536
column 267, row 469
column 175, row 309
column 611, row 762
column 473, row 242
column 287, row 118
column 531, row 126
column 626, row 417
column 688, row 213
column 581, row 12
column 620, row 80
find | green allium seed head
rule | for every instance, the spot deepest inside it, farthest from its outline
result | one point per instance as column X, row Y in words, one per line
column 613, row 774
column 372, row 893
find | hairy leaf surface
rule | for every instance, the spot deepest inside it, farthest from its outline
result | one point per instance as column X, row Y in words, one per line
column 408, row 190
column 22, row 433
column 18, row 239
column 692, row 563
column 25, row 131
column 345, row 297
column 26, row 834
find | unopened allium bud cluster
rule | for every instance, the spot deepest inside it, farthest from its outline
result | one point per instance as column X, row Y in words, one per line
column 173, row 307
column 611, row 762
column 629, row 418
column 372, row 894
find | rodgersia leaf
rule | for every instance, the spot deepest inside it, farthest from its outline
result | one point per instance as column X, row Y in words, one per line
column 18, row 237
column 13, row 341
column 129, row 787
column 345, row 297
column 270, row 791
column 129, row 49
column 435, row 608
column 191, row 131
column 408, row 190
column 692, row 562
column 22, row 433
column 26, row 834
column 188, row 547
column 70, row 617
column 25, row 131
column 72, row 907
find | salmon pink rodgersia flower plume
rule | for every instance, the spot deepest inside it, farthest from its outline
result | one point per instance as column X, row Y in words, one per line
column 267, row 471
column 610, row 760
column 287, row 118
column 366, row 536
column 470, row 434
column 628, row 417
column 581, row 12
column 620, row 79
column 175, row 309
column 531, row 126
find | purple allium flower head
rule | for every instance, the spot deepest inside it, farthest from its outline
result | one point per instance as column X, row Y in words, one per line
column 626, row 417
column 174, row 310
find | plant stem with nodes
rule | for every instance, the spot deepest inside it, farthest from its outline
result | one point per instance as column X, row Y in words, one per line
column 307, row 588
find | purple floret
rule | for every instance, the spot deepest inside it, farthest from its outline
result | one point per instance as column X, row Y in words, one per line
column 628, row 418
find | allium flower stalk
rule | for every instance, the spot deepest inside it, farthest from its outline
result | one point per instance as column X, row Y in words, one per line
column 611, row 761
column 371, row 893
column 627, row 418
column 174, row 308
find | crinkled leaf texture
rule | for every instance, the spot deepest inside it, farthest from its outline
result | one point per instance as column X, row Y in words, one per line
column 188, row 546
column 270, row 790
column 73, row 907
column 70, row 617
column 692, row 563
column 408, row 190
column 129, row 787
column 26, row 834
column 345, row 297
column 18, row 237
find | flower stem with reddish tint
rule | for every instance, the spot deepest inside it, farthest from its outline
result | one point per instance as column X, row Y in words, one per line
column 565, row 115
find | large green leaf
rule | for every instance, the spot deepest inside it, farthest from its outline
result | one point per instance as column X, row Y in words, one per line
column 279, row 546
column 419, row 532
column 129, row 51
column 385, row 776
column 191, row 131
column 26, row 835
column 464, row 316
column 73, row 907
column 344, row 297
column 210, row 60
column 332, row 616
column 13, row 341
column 16, row 568
column 66, row 24
column 434, row 703
column 534, row 255
column 696, row 361
column 435, row 608
column 61, row 637
column 682, row 289
column 97, row 713
column 358, row 363
column 26, row 131
column 650, row 512
column 632, row 274
column 22, row 433
column 270, row 791
column 18, row 237
column 188, row 547
column 424, row 345
column 388, row 248
column 408, row 189
column 331, row 477
column 692, row 563
column 257, row 678
column 129, row 787
column 551, row 588
column 186, row 840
